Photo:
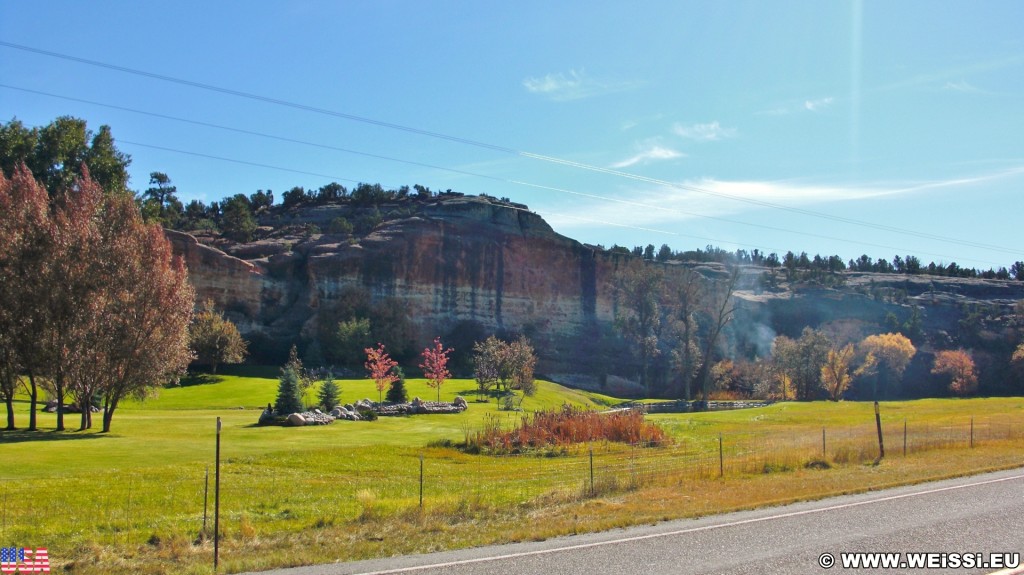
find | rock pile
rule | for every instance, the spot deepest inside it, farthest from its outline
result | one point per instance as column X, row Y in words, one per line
column 419, row 407
column 315, row 417
column 363, row 409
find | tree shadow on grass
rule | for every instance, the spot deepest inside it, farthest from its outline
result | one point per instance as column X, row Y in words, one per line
column 23, row 435
column 200, row 379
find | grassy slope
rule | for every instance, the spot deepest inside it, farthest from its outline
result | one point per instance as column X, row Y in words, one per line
column 282, row 481
column 178, row 427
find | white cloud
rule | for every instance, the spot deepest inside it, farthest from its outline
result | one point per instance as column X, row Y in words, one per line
column 962, row 86
column 555, row 83
column 652, row 153
column 575, row 85
column 819, row 104
column 666, row 205
column 709, row 132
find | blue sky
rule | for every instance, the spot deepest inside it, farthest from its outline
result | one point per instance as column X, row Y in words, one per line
column 842, row 127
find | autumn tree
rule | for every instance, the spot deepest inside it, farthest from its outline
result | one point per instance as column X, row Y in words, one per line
column 435, row 365
column 958, row 366
column 26, row 246
column 802, row 360
column 147, row 305
column 118, row 306
column 638, row 291
column 1018, row 356
column 509, row 365
column 214, row 339
column 521, row 363
column 891, row 353
column 835, row 373
column 487, row 362
column 378, row 366
column 10, row 370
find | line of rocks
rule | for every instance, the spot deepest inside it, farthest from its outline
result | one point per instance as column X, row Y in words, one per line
column 361, row 410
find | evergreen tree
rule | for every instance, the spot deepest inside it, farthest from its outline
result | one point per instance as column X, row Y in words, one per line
column 288, row 398
column 329, row 392
column 397, row 392
column 237, row 221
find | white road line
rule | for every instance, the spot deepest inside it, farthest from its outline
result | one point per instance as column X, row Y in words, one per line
column 696, row 530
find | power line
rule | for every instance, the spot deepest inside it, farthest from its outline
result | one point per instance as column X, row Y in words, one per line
column 627, row 202
column 507, row 150
column 631, row 203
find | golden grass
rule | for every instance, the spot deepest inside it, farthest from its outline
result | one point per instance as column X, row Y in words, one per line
column 341, row 493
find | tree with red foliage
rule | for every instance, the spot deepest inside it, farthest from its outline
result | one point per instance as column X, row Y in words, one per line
column 26, row 238
column 103, row 305
column 435, row 365
column 958, row 365
column 379, row 364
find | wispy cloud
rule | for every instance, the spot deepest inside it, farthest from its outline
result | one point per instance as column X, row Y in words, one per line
column 962, row 86
column 574, row 85
column 651, row 152
column 714, row 198
column 797, row 106
column 819, row 104
column 710, row 132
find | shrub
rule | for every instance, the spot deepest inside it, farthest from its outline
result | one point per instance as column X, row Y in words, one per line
column 567, row 426
column 397, row 392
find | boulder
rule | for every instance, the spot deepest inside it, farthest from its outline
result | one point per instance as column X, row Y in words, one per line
column 460, row 402
column 296, row 420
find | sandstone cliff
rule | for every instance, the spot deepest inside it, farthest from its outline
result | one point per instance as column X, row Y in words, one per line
column 496, row 266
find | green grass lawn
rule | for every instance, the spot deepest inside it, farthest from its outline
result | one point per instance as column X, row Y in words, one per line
column 132, row 500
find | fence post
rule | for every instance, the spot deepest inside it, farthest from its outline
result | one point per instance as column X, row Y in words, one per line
column 878, row 423
column 823, row 451
column 721, row 457
column 421, row 481
column 972, row 432
column 592, row 472
column 904, row 438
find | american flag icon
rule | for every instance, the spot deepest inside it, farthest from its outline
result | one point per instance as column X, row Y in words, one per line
column 21, row 560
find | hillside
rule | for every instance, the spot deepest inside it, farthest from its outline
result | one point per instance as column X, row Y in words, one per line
column 465, row 267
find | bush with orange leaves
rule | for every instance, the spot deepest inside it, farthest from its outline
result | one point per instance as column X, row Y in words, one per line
column 565, row 427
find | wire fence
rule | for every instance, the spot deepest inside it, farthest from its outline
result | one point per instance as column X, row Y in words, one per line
column 257, row 497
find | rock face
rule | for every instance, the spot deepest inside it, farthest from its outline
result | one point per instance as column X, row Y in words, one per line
column 501, row 267
column 462, row 260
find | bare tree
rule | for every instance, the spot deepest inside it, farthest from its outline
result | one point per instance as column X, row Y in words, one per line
column 720, row 307
column 639, row 288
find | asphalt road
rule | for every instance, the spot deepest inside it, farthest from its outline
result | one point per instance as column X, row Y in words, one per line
column 979, row 514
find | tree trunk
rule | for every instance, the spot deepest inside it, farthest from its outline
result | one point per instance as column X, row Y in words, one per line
column 58, row 388
column 10, row 413
column 108, row 415
column 34, row 401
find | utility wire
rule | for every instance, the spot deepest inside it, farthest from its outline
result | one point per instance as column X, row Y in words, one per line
column 626, row 202
column 507, row 150
column 631, row 203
